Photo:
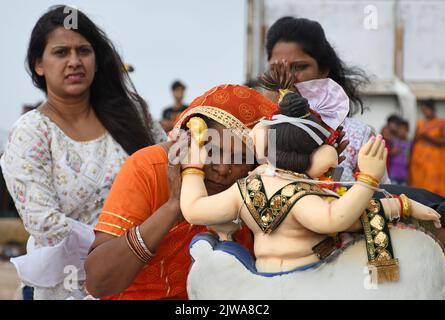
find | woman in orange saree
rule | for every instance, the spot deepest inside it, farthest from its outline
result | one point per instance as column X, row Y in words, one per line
column 428, row 152
column 145, row 197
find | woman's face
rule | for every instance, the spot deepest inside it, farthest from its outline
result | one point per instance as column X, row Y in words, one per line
column 68, row 64
column 306, row 68
column 221, row 176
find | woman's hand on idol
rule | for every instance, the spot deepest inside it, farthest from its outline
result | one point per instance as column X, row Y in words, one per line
column 372, row 157
column 179, row 149
column 341, row 145
column 422, row 212
column 176, row 155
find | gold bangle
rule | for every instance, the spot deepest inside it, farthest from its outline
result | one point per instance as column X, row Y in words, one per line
column 369, row 178
column 368, row 181
column 192, row 171
column 406, row 206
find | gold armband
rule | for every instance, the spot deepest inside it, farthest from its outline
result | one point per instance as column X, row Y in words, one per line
column 192, row 171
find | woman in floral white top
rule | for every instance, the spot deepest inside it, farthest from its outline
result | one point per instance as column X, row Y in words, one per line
column 61, row 159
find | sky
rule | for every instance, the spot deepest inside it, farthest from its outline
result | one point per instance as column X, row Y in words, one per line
column 200, row 42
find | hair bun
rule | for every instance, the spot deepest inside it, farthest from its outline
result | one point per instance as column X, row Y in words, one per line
column 294, row 105
column 293, row 160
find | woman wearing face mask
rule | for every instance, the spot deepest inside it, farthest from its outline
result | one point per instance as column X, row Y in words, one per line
column 302, row 43
column 62, row 158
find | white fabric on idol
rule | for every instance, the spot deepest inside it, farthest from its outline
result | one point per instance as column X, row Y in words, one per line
column 301, row 123
column 326, row 97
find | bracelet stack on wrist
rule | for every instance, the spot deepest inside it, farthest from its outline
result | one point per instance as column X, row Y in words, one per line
column 367, row 179
column 405, row 205
column 138, row 246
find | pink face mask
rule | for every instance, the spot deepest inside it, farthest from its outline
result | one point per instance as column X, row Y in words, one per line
column 327, row 98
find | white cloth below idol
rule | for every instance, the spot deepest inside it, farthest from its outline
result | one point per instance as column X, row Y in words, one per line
column 219, row 275
column 47, row 267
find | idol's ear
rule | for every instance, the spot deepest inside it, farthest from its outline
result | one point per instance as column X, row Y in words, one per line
column 322, row 159
column 259, row 136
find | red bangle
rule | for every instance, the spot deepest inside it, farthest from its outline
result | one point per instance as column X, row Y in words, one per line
column 401, row 203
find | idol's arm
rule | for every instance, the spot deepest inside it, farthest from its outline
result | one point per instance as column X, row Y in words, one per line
column 322, row 217
column 200, row 209
column 392, row 210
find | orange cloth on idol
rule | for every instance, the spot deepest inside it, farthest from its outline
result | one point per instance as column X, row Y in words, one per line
column 141, row 187
column 427, row 161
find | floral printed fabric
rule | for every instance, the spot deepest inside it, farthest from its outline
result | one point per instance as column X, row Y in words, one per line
column 358, row 133
column 54, row 179
column 59, row 186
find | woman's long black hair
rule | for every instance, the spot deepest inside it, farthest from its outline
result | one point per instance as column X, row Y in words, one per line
column 294, row 146
column 310, row 36
column 112, row 94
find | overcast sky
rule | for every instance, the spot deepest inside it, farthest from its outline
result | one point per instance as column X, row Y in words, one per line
column 200, row 42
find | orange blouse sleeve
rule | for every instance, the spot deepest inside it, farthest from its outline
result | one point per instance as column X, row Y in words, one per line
column 138, row 190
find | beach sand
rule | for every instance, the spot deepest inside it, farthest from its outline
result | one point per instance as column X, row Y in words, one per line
column 9, row 281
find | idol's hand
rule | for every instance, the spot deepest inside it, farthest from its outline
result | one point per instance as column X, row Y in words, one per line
column 422, row 212
column 196, row 156
column 372, row 157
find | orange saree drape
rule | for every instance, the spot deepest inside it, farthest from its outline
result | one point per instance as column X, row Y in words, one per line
column 427, row 169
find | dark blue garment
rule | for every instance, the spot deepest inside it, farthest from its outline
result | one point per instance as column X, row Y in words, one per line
column 28, row 293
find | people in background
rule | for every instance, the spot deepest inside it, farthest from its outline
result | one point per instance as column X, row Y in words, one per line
column 400, row 154
column 170, row 114
column 389, row 131
column 428, row 152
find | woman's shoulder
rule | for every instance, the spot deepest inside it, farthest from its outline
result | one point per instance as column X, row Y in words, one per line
column 33, row 122
column 29, row 138
column 149, row 158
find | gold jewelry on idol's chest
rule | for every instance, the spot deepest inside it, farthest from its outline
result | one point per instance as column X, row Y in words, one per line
column 269, row 213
